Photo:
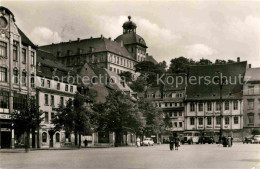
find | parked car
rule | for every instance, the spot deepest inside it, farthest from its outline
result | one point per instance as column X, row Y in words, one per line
column 148, row 142
column 247, row 140
column 190, row 137
column 207, row 139
column 256, row 139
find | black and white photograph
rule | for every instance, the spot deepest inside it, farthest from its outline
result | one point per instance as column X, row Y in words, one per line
column 121, row 84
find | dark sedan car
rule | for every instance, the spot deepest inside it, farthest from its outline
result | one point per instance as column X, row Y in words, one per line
column 248, row 140
column 207, row 139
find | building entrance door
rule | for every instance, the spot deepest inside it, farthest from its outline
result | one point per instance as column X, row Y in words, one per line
column 6, row 139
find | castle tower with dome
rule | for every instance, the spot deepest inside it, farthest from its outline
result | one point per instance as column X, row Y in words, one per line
column 133, row 42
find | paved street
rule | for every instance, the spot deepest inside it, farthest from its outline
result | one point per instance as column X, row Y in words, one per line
column 189, row 156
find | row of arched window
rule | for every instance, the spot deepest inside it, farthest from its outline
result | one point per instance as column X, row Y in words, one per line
column 44, row 137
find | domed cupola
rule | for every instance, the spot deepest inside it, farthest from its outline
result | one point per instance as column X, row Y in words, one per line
column 129, row 26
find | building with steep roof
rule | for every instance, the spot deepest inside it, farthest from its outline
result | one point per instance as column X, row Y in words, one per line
column 119, row 55
column 17, row 73
column 251, row 100
column 214, row 99
column 55, row 85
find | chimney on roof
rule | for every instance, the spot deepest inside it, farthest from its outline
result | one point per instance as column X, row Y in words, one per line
column 69, row 41
column 101, row 36
column 122, row 43
column 90, row 37
column 249, row 65
column 78, row 39
column 238, row 59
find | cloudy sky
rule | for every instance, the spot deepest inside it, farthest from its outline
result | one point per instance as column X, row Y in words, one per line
column 202, row 29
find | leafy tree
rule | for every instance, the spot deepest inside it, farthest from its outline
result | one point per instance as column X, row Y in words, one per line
column 204, row 62
column 149, row 71
column 180, row 65
column 119, row 115
column 154, row 117
column 126, row 75
column 74, row 117
column 27, row 119
column 138, row 85
column 218, row 61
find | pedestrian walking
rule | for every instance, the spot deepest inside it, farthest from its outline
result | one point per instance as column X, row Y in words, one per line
column 138, row 142
column 171, row 142
column 86, row 142
column 176, row 143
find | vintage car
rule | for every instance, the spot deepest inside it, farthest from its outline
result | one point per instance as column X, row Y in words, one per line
column 190, row 137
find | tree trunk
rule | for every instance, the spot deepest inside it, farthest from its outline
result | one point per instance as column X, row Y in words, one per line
column 27, row 141
column 79, row 141
column 76, row 138
column 33, row 138
column 38, row 138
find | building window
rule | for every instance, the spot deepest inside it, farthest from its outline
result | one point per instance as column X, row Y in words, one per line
column 46, row 117
column 250, row 104
column 23, row 56
column 200, row 106
column 4, row 100
column 180, row 124
column 226, row 120
column 209, row 106
column 175, row 114
column 209, row 120
column 15, row 72
column 71, row 89
column 226, row 105
column 58, row 86
column 192, row 121
column 170, row 114
column 180, row 113
column 32, row 80
column 66, row 88
column 24, row 78
column 48, row 83
column 175, row 124
column 57, row 137
column 46, row 98
column 44, row 137
column 3, row 74
column 32, row 58
column 200, row 121
column 166, row 104
column 52, row 100
column 192, row 107
column 62, row 101
column 42, row 82
column 217, row 106
column 251, row 118
column 235, row 105
column 235, row 120
column 52, row 115
column 250, row 90
column 218, row 120
column 15, row 51
column 3, row 49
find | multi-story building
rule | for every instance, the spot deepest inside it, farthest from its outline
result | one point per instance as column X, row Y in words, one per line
column 118, row 56
column 170, row 98
column 204, row 110
column 17, row 72
column 55, row 85
column 251, row 100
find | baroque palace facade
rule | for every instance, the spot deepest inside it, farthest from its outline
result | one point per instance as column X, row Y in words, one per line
column 119, row 55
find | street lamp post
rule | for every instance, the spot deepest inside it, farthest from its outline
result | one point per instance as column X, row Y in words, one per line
column 221, row 82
